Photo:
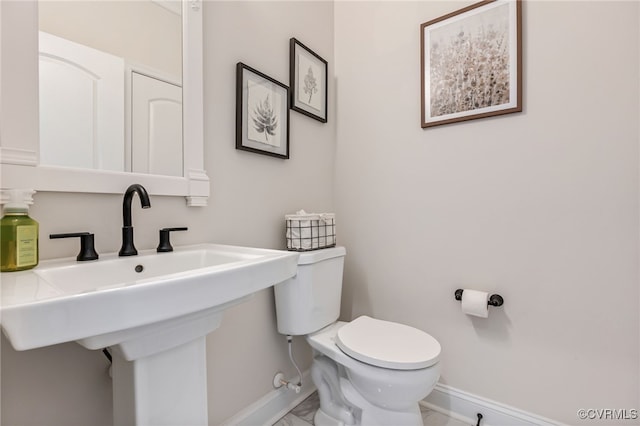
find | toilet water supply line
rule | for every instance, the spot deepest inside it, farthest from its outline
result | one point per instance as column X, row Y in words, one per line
column 279, row 381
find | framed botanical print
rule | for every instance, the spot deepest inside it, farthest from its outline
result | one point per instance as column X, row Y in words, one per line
column 262, row 113
column 308, row 80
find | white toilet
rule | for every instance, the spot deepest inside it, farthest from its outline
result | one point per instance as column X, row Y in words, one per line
column 368, row 372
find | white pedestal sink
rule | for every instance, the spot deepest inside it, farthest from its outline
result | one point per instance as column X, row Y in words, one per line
column 153, row 310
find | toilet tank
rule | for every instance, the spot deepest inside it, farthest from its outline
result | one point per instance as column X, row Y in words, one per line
column 311, row 300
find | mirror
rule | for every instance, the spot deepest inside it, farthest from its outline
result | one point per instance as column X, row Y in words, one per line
column 116, row 68
column 24, row 162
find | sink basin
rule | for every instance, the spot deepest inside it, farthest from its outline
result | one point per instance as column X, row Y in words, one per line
column 65, row 300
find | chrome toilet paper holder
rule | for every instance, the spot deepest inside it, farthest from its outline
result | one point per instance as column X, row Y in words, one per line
column 494, row 299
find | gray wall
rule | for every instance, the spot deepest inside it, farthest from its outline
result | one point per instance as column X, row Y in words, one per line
column 540, row 206
column 67, row 385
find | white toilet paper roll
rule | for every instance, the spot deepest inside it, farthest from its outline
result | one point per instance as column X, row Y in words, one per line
column 475, row 303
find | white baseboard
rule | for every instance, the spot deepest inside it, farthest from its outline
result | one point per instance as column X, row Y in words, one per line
column 273, row 406
column 444, row 399
column 464, row 406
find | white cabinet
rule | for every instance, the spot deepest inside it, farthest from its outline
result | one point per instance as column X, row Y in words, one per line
column 86, row 114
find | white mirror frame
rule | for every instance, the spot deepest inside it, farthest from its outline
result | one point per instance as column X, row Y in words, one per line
column 19, row 138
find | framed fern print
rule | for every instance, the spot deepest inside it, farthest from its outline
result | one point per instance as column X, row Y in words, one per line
column 308, row 81
column 262, row 113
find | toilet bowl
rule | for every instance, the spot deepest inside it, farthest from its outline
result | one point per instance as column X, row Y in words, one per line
column 372, row 394
column 368, row 371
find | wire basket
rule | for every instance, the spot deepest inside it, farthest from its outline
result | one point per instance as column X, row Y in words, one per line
column 310, row 231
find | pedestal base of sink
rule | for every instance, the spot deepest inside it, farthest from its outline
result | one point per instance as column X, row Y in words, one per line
column 167, row 388
column 160, row 371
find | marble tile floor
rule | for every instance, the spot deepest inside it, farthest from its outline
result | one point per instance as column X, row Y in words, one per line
column 302, row 415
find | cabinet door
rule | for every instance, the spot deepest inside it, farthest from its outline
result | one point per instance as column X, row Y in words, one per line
column 81, row 106
column 156, row 126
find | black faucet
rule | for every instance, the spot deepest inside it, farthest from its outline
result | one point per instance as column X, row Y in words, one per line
column 128, row 249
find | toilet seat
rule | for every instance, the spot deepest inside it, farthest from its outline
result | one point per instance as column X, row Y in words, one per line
column 387, row 344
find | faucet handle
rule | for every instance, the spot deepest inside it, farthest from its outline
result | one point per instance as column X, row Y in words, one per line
column 87, row 249
column 164, row 244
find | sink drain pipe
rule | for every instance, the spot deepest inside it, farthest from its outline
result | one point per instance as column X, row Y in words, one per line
column 107, row 354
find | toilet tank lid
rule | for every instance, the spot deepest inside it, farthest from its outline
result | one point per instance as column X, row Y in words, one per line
column 315, row 256
column 387, row 344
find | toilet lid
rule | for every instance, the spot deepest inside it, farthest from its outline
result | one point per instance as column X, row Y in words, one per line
column 387, row 344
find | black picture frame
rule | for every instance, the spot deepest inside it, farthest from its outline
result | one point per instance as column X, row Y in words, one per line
column 308, row 78
column 262, row 113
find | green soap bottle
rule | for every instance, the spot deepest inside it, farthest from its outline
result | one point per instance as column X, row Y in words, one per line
column 18, row 232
